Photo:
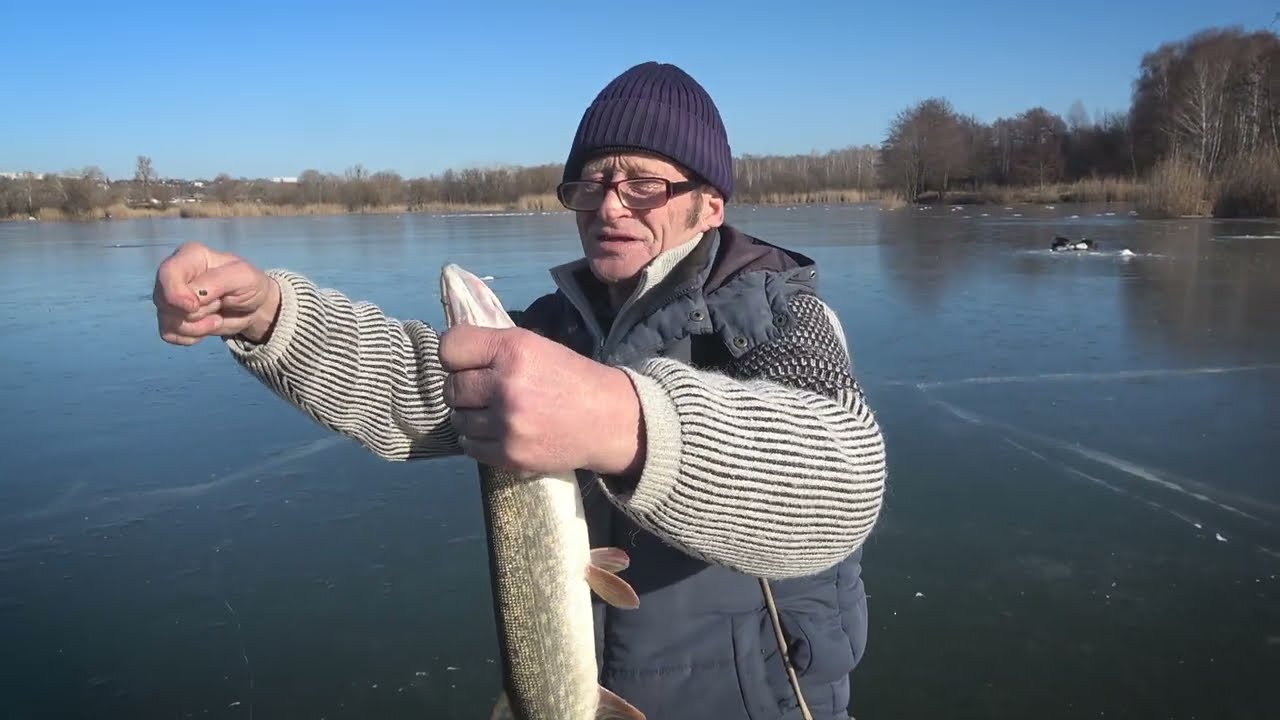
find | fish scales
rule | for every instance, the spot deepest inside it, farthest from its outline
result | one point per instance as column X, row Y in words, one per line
column 544, row 619
column 542, row 568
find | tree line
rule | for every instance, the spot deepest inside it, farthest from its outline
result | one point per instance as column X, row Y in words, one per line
column 1205, row 103
column 82, row 192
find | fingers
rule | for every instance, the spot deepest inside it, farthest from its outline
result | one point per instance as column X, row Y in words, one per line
column 195, row 286
column 188, row 333
column 208, row 308
column 174, row 339
column 479, row 437
column 488, row 452
column 194, row 274
column 476, row 425
column 496, row 453
column 469, row 389
column 465, row 347
column 183, row 329
column 171, row 289
column 235, row 281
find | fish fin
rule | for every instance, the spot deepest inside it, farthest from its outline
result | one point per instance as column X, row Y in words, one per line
column 612, row 707
column 613, row 589
column 610, row 558
column 502, row 709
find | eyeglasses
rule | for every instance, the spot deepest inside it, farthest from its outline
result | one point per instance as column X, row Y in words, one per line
column 644, row 193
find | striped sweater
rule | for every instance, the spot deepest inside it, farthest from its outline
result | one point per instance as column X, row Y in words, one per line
column 775, row 467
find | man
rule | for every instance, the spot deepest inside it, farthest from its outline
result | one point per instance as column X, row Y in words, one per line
column 687, row 371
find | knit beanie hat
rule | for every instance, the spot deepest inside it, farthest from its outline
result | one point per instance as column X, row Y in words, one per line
column 657, row 108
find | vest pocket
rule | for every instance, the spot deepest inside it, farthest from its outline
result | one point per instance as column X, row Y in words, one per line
column 759, row 694
column 821, row 651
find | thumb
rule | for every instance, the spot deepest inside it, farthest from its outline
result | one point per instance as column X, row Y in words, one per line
column 468, row 347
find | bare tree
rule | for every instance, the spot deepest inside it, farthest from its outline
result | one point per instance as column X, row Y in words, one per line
column 386, row 188
column 226, row 189
column 1199, row 111
column 927, row 145
column 1211, row 96
column 82, row 191
column 1153, row 98
column 312, row 186
column 144, row 175
column 1038, row 140
column 1077, row 117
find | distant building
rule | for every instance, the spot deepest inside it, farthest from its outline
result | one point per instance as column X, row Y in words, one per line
column 5, row 175
column 290, row 180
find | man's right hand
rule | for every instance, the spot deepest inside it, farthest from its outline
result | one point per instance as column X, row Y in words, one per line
column 201, row 292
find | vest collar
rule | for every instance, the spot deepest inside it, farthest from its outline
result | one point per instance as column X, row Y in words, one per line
column 719, row 259
column 671, row 272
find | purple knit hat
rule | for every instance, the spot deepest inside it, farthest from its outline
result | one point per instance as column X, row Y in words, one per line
column 661, row 109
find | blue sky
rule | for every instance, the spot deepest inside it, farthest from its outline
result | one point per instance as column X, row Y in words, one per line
column 272, row 88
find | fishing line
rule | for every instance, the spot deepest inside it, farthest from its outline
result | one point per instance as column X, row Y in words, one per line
column 235, row 617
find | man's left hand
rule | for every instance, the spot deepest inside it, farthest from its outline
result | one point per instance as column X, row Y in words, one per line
column 529, row 404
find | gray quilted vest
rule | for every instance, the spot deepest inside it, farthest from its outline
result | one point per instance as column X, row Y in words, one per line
column 701, row 645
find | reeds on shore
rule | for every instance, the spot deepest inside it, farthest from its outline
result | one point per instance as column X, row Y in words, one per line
column 1086, row 190
column 1245, row 186
column 1248, row 186
column 215, row 209
column 1175, row 188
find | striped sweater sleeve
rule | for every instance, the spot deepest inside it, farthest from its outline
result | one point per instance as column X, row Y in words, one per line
column 354, row 370
column 775, row 468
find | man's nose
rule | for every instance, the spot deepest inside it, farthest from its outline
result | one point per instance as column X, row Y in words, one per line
column 611, row 205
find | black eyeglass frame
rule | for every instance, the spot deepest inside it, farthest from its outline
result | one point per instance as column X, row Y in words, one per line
column 673, row 188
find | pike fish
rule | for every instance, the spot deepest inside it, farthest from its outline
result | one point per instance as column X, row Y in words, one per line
column 542, row 569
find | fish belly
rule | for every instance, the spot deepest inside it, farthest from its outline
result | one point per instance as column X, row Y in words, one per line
column 539, row 554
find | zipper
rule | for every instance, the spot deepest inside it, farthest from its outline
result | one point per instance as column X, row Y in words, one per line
column 603, row 342
column 615, row 333
column 574, row 294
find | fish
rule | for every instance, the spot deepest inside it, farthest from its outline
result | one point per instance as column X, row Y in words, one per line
column 542, row 569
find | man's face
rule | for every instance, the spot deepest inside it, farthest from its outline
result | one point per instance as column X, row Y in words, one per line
column 619, row 242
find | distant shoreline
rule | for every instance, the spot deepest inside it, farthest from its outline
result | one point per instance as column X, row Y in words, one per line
column 1170, row 194
column 1084, row 191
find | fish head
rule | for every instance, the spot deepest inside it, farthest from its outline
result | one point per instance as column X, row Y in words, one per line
column 468, row 300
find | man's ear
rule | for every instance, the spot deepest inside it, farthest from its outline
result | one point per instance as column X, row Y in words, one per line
column 712, row 210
